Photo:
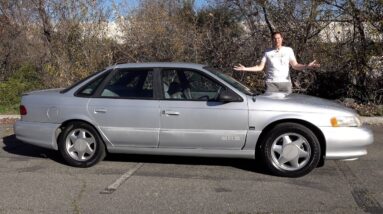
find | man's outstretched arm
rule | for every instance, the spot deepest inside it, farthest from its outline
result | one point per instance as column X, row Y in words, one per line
column 256, row 68
column 300, row 67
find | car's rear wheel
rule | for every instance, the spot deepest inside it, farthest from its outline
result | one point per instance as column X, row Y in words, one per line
column 290, row 150
column 80, row 145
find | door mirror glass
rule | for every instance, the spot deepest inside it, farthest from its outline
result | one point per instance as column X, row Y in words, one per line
column 229, row 96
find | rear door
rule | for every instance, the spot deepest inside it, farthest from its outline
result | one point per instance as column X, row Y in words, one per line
column 125, row 108
column 191, row 116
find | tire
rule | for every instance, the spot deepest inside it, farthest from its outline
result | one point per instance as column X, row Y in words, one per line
column 80, row 145
column 290, row 150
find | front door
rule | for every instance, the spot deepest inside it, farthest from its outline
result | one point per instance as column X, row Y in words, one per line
column 191, row 116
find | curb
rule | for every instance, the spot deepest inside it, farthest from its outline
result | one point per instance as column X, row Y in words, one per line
column 9, row 117
column 365, row 120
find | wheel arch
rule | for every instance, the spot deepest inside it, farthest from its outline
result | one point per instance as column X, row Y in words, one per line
column 67, row 122
column 318, row 133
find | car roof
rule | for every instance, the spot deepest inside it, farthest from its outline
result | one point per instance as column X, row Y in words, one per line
column 158, row 65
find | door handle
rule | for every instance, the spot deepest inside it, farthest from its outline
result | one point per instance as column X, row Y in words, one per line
column 175, row 113
column 100, row 110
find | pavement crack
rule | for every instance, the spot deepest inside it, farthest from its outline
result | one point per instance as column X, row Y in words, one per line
column 77, row 199
column 362, row 196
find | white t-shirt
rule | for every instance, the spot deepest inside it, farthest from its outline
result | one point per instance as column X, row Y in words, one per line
column 278, row 64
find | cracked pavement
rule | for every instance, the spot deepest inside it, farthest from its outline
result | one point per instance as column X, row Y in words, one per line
column 35, row 180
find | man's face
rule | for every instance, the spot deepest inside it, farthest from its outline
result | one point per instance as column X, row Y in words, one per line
column 277, row 40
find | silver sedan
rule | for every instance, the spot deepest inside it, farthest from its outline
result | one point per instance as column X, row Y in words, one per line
column 190, row 110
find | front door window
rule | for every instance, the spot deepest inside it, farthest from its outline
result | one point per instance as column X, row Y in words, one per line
column 188, row 85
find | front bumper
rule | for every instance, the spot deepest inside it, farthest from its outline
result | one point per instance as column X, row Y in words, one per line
column 39, row 134
column 347, row 142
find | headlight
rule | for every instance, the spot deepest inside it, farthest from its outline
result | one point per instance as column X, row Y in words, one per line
column 345, row 121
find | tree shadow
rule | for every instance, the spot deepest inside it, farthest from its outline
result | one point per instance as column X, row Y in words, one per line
column 17, row 147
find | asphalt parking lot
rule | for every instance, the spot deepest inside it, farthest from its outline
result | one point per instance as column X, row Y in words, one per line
column 35, row 180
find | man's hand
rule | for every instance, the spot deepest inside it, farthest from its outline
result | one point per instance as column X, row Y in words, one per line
column 239, row 67
column 313, row 65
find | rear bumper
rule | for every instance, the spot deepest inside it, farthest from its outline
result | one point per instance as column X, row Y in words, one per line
column 347, row 142
column 39, row 134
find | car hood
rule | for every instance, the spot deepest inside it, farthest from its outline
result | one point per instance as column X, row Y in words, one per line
column 298, row 103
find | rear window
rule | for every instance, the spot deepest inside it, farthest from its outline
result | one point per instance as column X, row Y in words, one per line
column 81, row 81
column 90, row 88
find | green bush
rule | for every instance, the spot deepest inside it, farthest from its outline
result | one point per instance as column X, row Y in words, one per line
column 25, row 79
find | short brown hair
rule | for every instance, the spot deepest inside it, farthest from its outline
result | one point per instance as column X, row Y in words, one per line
column 275, row 33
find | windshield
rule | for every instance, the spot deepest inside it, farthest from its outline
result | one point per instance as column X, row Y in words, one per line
column 231, row 81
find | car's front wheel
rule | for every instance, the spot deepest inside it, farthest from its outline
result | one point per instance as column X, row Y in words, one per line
column 290, row 150
column 80, row 145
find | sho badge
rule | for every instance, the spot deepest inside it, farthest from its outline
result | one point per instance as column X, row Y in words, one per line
column 230, row 138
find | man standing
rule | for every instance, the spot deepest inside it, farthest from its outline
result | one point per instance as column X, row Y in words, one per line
column 278, row 61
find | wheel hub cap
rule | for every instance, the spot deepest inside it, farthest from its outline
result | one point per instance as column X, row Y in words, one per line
column 290, row 152
column 80, row 145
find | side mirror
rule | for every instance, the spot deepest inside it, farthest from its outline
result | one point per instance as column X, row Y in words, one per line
column 229, row 96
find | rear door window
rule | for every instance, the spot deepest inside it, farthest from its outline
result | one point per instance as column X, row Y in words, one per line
column 130, row 83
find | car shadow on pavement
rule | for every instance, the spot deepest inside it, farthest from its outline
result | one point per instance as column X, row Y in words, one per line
column 243, row 164
column 14, row 146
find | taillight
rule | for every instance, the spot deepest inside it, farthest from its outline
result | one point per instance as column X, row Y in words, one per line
column 23, row 110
